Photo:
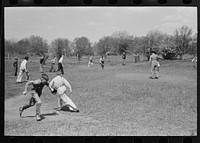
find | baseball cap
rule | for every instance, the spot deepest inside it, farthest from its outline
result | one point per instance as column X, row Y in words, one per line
column 45, row 76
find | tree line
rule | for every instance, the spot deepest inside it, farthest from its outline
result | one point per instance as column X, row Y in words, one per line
column 183, row 41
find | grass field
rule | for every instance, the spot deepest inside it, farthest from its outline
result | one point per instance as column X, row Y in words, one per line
column 119, row 100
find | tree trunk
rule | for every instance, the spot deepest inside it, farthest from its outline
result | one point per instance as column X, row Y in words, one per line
column 181, row 57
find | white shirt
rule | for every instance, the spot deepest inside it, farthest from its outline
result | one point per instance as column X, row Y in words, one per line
column 23, row 65
column 53, row 60
column 57, row 82
column 61, row 59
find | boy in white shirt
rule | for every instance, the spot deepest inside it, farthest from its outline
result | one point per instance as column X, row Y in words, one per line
column 58, row 86
column 23, row 69
column 60, row 64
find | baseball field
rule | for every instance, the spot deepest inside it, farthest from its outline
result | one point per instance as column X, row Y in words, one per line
column 116, row 101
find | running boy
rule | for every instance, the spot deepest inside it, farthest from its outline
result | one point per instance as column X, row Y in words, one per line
column 36, row 92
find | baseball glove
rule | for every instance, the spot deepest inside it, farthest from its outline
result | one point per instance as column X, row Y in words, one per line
column 54, row 91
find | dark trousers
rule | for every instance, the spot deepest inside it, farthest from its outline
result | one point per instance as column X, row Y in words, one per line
column 35, row 99
column 52, row 67
column 15, row 71
column 60, row 67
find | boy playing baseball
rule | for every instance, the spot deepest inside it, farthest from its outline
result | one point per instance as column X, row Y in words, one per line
column 52, row 65
column 102, row 62
column 23, row 68
column 124, row 58
column 194, row 60
column 15, row 65
column 36, row 92
column 60, row 64
column 153, row 61
column 90, row 63
column 58, row 85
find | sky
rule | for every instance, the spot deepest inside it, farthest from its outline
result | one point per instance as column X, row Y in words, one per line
column 94, row 22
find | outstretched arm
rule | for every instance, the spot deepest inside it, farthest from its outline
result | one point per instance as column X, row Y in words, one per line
column 30, row 83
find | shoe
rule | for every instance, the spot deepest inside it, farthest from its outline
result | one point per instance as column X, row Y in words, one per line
column 20, row 111
column 38, row 118
column 76, row 110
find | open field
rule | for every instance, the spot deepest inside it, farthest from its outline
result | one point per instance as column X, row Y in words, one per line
column 117, row 101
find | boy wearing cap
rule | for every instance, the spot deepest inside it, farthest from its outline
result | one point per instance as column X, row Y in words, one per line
column 23, row 68
column 36, row 92
column 15, row 65
column 58, row 85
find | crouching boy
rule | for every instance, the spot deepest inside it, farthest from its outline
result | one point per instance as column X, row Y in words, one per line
column 58, row 85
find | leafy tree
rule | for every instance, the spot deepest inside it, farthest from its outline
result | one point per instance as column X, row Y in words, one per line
column 23, row 46
column 38, row 45
column 104, row 45
column 82, row 46
column 122, row 41
column 10, row 46
column 60, row 46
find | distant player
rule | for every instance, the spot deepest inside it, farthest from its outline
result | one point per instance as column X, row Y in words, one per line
column 15, row 65
column 79, row 57
column 35, row 92
column 60, row 64
column 58, row 85
column 194, row 61
column 153, row 61
column 41, row 63
column 23, row 69
column 90, row 63
column 102, row 62
column 52, row 65
column 124, row 58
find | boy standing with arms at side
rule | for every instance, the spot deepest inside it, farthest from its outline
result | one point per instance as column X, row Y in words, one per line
column 153, row 62
column 124, row 58
column 23, row 69
column 15, row 65
column 102, row 62
column 36, row 92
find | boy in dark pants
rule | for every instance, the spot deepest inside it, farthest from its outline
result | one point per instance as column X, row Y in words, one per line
column 124, row 58
column 102, row 62
column 15, row 65
column 60, row 64
column 36, row 93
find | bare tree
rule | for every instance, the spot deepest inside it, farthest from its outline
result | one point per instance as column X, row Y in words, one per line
column 183, row 36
